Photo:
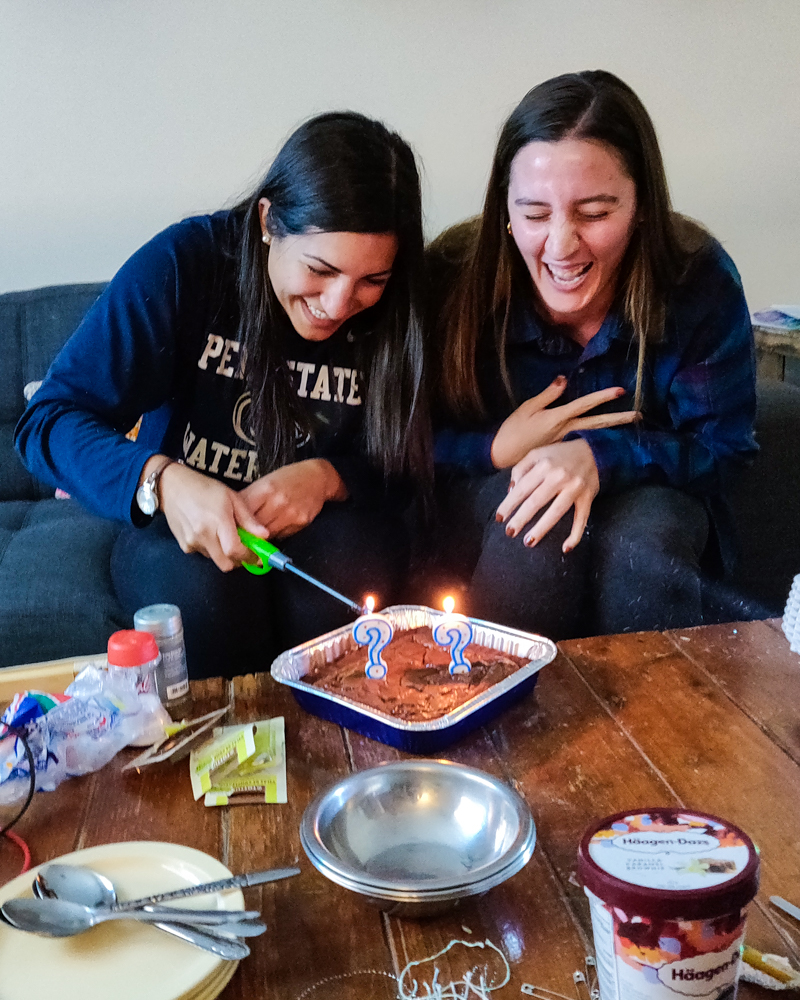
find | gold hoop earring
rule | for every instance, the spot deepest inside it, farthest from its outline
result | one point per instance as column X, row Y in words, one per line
column 508, row 228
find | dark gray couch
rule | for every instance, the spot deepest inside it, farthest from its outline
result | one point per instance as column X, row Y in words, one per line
column 56, row 596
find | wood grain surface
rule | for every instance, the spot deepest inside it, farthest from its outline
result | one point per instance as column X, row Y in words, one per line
column 707, row 718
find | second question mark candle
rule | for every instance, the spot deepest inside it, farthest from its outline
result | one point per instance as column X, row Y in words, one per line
column 454, row 631
column 374, row 631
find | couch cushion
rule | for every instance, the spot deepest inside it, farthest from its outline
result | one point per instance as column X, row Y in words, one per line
column 766, row 502
column 33, row 327
column 56, row 595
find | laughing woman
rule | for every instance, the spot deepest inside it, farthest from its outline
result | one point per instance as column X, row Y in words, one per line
column 276, row 354
column 579, row 278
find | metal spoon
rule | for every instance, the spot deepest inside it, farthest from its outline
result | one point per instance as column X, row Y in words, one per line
column 58, row 918
column 65, row 884
column 92, row 889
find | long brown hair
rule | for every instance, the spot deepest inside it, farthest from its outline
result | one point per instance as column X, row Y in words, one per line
column 341, row 172
column 593, row 105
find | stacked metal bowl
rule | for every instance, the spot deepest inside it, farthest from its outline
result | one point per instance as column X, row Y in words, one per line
column 416, row 837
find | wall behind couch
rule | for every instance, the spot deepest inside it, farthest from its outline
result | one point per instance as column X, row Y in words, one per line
column 118, row 118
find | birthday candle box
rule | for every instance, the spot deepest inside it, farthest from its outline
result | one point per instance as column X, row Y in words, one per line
column 429, row 736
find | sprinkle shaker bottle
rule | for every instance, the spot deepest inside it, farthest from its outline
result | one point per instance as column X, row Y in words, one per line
column 163, row 621
column 668, row 890
column 135, row 654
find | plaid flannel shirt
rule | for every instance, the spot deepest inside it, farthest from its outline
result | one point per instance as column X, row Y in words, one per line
column 699, row 391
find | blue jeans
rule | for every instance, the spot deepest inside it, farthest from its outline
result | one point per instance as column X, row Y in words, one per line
column 637, row 567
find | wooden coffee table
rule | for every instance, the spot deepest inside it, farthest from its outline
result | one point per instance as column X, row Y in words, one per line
column 707, row 718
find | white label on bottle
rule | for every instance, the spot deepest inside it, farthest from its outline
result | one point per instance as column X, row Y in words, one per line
column 177, row 690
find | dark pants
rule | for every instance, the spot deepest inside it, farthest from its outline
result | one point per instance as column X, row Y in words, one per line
column 636, row 568
column 236, row 623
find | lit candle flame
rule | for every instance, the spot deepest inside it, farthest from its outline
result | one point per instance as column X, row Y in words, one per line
column 369, row 603
column 449, row 604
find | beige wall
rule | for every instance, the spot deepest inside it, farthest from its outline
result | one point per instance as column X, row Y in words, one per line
column 117, row 118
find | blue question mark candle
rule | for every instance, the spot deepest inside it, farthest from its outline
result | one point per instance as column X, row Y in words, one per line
column 374, row 631
column 454, row 631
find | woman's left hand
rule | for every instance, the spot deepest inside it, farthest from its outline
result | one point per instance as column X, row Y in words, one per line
column 563, row 475
column 289, row 498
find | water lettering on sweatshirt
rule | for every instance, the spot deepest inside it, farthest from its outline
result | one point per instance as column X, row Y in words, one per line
column 219, row 459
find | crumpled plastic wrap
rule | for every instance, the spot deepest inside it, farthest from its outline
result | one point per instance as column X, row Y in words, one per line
column 77, row 732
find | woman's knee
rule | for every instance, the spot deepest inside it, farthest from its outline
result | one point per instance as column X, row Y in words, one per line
column 641, row 524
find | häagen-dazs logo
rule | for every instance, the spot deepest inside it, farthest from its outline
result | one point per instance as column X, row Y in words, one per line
column 672, row 842
column 702, row 976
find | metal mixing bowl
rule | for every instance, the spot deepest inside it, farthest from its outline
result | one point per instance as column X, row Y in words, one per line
column 421, row 833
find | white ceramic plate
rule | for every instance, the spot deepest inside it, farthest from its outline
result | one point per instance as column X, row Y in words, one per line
column 120, row 959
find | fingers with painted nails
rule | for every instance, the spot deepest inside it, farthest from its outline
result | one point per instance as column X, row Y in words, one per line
column 563, row 476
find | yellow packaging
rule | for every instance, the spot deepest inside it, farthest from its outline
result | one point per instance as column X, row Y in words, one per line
column 259, row 778
column 209, row 760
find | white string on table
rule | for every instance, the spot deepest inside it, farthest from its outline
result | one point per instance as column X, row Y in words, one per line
column 472, row 984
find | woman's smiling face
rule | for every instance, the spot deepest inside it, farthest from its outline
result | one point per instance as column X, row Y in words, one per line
column 324, row 279
column 572, row 208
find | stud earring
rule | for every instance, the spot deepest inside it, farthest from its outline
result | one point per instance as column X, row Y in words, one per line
column 508, row 228
column 266, row 239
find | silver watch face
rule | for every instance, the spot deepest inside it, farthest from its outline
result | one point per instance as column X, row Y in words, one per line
column 146, row 499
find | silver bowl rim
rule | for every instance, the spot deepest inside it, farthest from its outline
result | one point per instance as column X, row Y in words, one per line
column 455, row 892
column 319, row 854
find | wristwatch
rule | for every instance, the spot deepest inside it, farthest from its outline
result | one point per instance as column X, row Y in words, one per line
column 147, row 494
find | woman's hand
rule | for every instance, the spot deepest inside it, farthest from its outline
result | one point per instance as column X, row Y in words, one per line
column 203, row 515
column 533, row 426
column 564, row 473
column 286, row 500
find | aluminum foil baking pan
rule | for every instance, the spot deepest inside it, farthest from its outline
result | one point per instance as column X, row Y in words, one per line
column 415, row 737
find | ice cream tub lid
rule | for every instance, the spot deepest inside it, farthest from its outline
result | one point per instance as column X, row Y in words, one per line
column 669, row 863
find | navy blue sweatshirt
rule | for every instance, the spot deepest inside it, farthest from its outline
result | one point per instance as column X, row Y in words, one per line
column 162, row 340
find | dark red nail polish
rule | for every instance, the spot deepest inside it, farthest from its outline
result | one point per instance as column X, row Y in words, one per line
column 511, row 485
column 498, row 518
column 510, row 531
column 530, row 542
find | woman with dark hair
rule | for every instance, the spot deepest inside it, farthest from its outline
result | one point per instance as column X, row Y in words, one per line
column 276, row 353
column 578, row 277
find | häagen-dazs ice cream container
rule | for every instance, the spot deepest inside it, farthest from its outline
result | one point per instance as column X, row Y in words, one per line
column 668, row 890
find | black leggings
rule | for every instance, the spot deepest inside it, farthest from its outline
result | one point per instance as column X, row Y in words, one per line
column 636, row 568
column 236, row 623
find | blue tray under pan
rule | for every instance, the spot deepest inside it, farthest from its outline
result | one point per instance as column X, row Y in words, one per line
column 414, row 737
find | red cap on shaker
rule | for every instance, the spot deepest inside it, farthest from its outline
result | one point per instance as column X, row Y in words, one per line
column 129, row 648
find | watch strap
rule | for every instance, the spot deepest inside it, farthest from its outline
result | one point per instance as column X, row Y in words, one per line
column 150, row 485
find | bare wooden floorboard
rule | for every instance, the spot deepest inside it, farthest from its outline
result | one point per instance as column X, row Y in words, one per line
column 754, row 666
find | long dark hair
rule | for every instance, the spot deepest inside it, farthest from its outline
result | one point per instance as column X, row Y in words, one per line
column 593, row 105
column 341, row 172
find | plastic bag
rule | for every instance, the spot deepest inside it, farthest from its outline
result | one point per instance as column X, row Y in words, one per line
column 100, row 713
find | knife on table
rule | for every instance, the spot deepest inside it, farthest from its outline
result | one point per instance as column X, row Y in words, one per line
column 236, row 882
column 786, row 906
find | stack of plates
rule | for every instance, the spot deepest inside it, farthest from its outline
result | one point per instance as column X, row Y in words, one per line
column 122, row 960
column 417, row 836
